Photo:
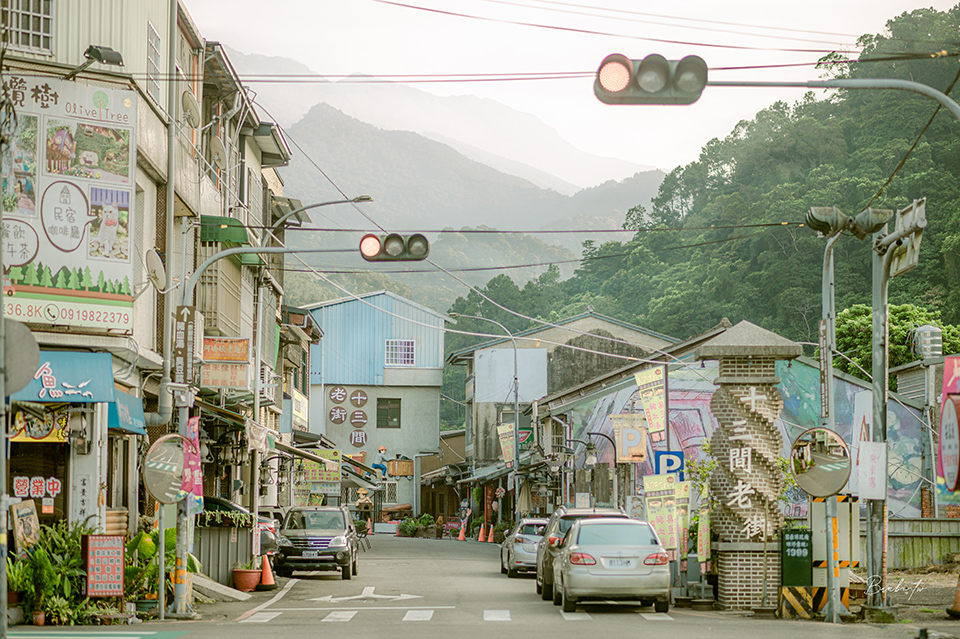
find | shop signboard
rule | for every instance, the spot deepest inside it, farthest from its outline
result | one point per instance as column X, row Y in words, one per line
column 317, row 472
column 68, row 194
column 103, row 557
column 226, row 362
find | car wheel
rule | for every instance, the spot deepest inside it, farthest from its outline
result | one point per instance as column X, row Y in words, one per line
column 567, row 604
column 345, row 571
column 546, row 592
column 661, row 606
column 503, row 566
column 539, row 587
column 283, row 572
column 512, row 574
column 355, row 566
column 557, row 594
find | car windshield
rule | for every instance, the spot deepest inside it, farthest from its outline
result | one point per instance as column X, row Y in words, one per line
column 566, row 522
column 532, row 529
column 304, row 520
column 616, row 535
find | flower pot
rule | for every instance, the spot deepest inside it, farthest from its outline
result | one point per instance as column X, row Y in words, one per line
column 13, row 597
column 146, row 605
column 245, row 580
column 38, row 617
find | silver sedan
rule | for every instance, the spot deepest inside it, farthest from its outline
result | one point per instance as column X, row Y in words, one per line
column 519, row 548
column 619, row 559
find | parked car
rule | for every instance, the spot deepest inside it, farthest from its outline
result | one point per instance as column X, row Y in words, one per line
column 519, row 548
column 558, row 525
column 276, row 513
column 611, row 559
column 265, row 524
column 317, row 538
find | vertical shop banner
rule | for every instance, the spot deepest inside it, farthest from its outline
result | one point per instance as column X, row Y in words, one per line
column 652, row 388
column 660, row 497
column 192, row 471
column 703, row 527
column 505, row 432
column 683, row 516
column 68, row 179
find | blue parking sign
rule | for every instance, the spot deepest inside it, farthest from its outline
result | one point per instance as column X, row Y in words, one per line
column 668, row 461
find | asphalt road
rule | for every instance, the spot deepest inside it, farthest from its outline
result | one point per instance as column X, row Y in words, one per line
column 434, row 588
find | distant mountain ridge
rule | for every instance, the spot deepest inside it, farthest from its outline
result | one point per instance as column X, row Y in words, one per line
column 480, row 128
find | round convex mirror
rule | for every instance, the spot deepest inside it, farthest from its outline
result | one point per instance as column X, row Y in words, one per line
column 163, row 469
column 820, row 462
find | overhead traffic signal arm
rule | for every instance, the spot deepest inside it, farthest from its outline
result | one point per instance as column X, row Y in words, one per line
column 653, row 80
column 394, row 247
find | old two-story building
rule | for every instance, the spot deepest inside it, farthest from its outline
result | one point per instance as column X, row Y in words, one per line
column 375, row 382
column 543, row 365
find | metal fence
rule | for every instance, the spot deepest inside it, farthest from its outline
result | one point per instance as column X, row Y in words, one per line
column 218, row 549
column 912, row 543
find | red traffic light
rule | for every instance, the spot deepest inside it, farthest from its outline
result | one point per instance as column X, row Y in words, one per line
column 370, row 246
column 394, row 247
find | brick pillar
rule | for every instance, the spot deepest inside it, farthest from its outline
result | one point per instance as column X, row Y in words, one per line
column 747, row 481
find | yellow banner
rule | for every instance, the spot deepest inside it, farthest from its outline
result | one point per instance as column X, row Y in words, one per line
column 653, row 395
column 52, row 429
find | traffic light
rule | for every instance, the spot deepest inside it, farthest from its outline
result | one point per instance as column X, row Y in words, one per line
column 869, row 221
column 653, row 80
column 394, row 247
column 828, row 220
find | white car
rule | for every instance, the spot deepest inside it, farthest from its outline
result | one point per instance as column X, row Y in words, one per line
column 611, row 559
column 519, row 548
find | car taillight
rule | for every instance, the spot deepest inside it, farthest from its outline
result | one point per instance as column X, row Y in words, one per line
column 657, row 559
column 553, row 540
column 583, row 559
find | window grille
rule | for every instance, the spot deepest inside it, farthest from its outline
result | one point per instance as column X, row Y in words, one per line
column 29, row 24
column 400, row 352
column 153, row 63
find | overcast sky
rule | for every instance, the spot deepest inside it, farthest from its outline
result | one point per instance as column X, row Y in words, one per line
column 340, row 37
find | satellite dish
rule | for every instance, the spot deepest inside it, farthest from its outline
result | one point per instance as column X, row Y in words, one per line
column 22, row 355
column 155, row 271
column 218, row 153
column 191, row 108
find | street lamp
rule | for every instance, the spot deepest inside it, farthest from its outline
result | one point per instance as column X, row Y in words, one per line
column 357, row 200
column 516, row 390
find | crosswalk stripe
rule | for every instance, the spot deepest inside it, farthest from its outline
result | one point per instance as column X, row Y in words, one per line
column 656, row 616
column 340, row 615
column 418, row 615
column 576, row 616
column 496, row 615
column 261, row 617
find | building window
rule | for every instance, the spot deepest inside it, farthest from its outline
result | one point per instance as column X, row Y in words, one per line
column 400, row 352
column 153, row 63
column 391, row 494
column 29, row 24
column 388, row 413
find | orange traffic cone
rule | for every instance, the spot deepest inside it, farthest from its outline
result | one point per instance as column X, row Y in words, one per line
column 462, row 536
column 490, row 536
column 954, row 610
column 483, row 534
column 267, row 582
column 369, row 526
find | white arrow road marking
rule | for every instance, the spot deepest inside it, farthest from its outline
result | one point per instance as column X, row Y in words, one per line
column 340, row 615
column 418, row 615
column 656, row 616
column 260, row 617
column 576, row 616
column 496, row 615
column 366, row 594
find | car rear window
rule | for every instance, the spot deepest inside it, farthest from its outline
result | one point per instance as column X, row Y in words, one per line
column 532, row 529
column 306, row 520
column 616, row 535
column 567, row 521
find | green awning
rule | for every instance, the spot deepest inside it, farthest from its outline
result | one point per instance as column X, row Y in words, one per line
column 228, row 230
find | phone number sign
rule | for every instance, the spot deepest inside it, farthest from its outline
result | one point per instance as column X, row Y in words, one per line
column 65, row 312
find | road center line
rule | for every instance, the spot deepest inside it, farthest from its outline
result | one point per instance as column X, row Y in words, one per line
column 656, row 616
column 340, row 615
column 418, row 615
column 276, row 597
column 355, row 608
column 261, row 617
column 496, row 615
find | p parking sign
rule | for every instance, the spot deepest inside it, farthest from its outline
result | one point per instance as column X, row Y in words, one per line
column 668, row 461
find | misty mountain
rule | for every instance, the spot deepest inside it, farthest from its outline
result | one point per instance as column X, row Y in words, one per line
column 511, row 141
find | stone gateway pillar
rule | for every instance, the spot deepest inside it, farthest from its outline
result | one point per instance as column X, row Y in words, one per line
column 747, row 481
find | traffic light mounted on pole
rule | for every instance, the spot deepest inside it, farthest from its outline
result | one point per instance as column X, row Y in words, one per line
column 869, row 221
column 394, row 247
column 653, row 80
column 828, row 220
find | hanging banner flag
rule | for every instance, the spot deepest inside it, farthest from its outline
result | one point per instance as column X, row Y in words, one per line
column 192, row 472
column 505, row 431
column 703, row 529
column 653, row 395
column 661, row 507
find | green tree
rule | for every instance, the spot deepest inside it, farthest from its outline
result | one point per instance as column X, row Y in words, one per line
column 30, row 274
column 45, row 278
column 86, row 281
column 74, row 281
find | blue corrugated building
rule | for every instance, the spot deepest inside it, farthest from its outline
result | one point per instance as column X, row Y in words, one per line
column 375, row 381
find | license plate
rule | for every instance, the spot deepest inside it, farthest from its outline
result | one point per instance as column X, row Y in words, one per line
column 311, row 554
column 619, row 562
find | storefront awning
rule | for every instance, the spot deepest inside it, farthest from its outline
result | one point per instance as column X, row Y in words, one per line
column 327, row 463
column 70, row 376
column 127, row 414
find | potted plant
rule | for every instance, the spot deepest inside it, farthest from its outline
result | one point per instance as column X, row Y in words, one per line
column 45, row 580
column 246, row 576
column 17, row 580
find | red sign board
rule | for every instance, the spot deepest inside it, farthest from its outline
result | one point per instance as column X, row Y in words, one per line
column 103, row 560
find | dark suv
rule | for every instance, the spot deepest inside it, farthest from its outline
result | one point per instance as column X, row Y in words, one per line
column 557, row 527
column 317, row 538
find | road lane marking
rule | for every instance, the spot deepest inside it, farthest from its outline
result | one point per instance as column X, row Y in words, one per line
column 656, row 616
column 318, row 609
column 340, row 615
column 418, row 615
column 276, row 597
column 576, row 616
column 496, row 615
column 260, row 617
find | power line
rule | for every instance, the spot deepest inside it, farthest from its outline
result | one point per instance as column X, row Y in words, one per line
column 478, row 231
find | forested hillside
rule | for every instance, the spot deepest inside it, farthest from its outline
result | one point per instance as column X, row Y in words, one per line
column 724, row 236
